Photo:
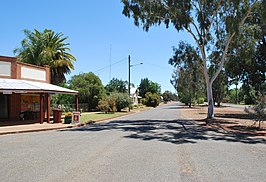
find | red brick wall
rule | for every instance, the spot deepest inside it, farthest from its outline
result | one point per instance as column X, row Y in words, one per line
column 46, row 69
column 15, row 99
column 16, row 68
column 48, row 74
column 11, row 60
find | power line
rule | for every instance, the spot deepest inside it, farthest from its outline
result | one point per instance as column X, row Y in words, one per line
column 158, row 66
column 108, row 67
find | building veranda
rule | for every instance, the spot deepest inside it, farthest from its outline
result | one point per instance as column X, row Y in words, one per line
column 25, row 91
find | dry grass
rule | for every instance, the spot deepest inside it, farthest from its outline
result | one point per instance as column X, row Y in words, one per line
column 228, row 118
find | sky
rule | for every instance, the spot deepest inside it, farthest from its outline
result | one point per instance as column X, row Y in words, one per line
column 99, row 36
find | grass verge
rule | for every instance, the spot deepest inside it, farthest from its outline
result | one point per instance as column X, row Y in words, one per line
column 87, row 117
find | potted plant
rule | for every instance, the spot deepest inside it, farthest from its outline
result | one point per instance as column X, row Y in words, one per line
column 68, row 118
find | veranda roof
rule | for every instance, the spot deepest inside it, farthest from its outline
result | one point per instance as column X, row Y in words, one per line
column 25, row 86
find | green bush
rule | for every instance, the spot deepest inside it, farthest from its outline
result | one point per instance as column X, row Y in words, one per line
column 200, row 100
column 122, row 100
column 250, row 98
column 185, row 98
column 152, row 100
column 107, row 104
column 226, row 100
column 112, row 103
column 143, row 101
column 103, row 106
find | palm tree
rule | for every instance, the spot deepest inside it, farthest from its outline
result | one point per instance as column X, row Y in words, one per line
column 47, row 48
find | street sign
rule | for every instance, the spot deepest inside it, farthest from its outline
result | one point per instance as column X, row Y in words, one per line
column 76, row 118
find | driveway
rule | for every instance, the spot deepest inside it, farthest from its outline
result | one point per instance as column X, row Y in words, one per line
column 155, row 145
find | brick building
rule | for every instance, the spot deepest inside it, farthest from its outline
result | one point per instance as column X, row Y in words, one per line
column 26, row 89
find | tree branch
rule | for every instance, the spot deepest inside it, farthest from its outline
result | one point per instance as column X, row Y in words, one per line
column 229, row 39
column 215, row 13
column 228, row 55
column 195, row 5
column 203, row 55
column 194, row 25
column 193, row 35
column 248, row 13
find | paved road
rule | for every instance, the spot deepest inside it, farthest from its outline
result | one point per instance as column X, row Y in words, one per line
column 150, row 146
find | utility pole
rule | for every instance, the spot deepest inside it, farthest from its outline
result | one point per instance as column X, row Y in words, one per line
column 129, row 65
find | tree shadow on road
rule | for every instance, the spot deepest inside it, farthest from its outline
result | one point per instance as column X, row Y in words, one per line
column 172, row 131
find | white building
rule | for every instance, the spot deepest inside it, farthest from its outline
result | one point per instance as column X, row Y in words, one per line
column 134, row 95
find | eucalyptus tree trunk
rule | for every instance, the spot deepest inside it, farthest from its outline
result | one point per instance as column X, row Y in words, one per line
column 210, row 114
column 209, row 82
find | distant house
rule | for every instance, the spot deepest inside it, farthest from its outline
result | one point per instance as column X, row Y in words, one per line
column 134, row 95
column 25, row 91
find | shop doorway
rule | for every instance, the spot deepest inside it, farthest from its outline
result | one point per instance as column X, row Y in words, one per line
column 3, row 106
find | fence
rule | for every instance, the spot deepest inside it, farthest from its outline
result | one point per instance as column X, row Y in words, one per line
column 82, row 107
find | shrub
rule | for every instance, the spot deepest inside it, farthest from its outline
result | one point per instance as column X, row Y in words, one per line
column 200, row 100
column 112, row 103
column 107, row 104
column 122, row 100
column 226, row 100
column 185, row 98
column 143, row 101
column 258, row 110
column 250, row 98
column 103, row 106
column 152, row 100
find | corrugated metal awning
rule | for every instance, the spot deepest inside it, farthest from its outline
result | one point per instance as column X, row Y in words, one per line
column 25, row 86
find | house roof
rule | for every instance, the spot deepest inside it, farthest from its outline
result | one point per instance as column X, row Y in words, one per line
column 25, row 86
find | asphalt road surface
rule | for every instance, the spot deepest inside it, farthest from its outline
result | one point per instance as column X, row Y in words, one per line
column 156, row 145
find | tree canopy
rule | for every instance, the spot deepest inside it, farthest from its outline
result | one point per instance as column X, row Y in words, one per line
column 248, row 64
column 190, row 79
column 47, row 48
column 147, row 85
column 212, row 24
column 169, row 96
column 116, row 85
column 90, row 88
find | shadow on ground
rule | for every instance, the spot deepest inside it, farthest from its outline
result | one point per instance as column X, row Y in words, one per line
column 234, row 116
column 17, row 122
column 172, row 131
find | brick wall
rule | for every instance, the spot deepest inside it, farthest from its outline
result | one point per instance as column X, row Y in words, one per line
column 14, row 106
column 16, row 69
column 11, row 60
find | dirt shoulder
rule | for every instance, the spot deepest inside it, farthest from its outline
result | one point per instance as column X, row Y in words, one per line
column 228, row 118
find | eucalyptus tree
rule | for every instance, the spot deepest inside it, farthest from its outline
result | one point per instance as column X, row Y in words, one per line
column 47, row 48
column 189, row 83
column 206, row 21
column 248, row 64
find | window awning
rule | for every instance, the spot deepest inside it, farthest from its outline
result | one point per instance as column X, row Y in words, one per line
column 24, row 86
